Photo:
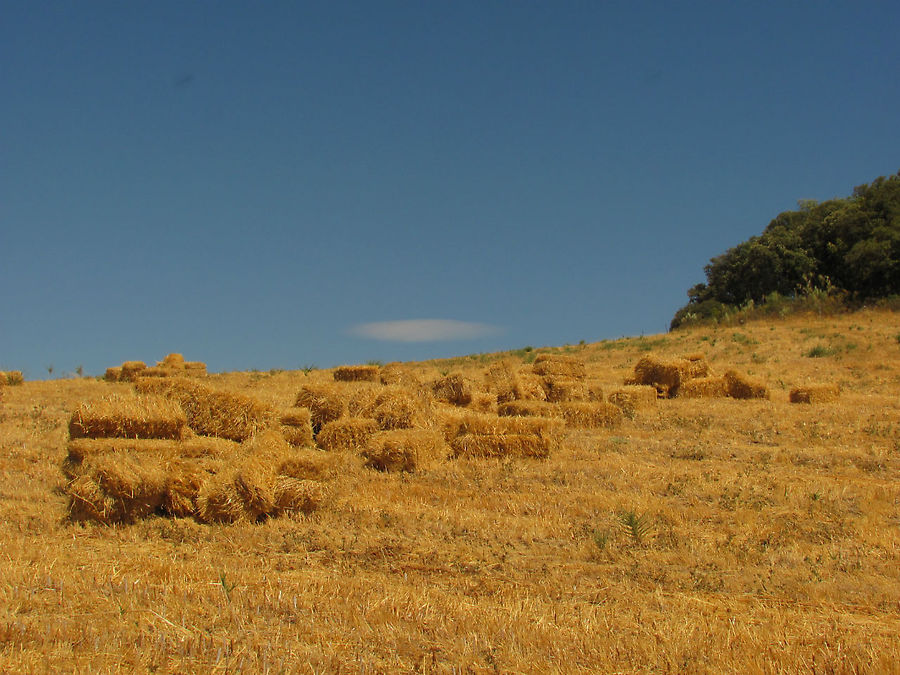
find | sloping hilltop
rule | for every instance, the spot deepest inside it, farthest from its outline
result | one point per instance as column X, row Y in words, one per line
column 734, row 508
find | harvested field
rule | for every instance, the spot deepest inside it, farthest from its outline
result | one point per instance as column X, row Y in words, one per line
column 700, row 535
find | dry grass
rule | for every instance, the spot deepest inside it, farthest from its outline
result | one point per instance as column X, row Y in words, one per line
column 702, row 535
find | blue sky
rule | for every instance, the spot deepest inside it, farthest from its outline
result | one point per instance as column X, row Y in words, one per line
column 253, row 184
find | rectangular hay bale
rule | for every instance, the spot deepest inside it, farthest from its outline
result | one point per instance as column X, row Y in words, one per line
column 404, row 449
column 815, row 393
column 130, row 416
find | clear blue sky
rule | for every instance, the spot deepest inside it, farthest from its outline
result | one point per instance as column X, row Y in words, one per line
column 251, row 184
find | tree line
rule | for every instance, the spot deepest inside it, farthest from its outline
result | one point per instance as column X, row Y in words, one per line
column 847, row 247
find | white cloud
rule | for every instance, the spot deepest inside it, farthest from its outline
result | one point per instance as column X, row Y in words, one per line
column 423, row 330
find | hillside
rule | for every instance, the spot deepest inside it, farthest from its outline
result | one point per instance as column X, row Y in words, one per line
column 691, row 535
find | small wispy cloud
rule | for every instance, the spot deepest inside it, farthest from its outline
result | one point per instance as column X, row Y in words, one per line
column 423, row 330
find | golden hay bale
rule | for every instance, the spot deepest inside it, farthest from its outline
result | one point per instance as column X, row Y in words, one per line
column 13, row 378
column 117, row 488
column 591, row 415
column 162, row 371
column 744, row 387
column 254, row 482
column 130, row 370
column 185, row 480
column 296, row 426
column 399, row 374
column 704, row 387
column 211, row 412
column 483, row 401
column 296, row 495
column 557, row 365
column 348, row 433
column 815, row 393
column 87, row 502
column 697, row 365
column 325, row 402
column 361, row 399
column 128, row 417
column 194, row 369
column 561, row 389
column 307, row 463
column 502, row 380
column 356, row 374
column 666, row 376
column 219, row 502
column 529, row 409
column 404, row 449
column 172, row 361
column 530, row 387
column 397, row 408
column 501, row 445
column 112, row 374
column 481, row 425
column 455, row 389
column 632, row 398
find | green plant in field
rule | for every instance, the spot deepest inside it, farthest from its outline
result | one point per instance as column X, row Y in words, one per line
column 601, row 538
column 307, row 369
column 819, row 351
column 638, row 527
column 226, row 586
column 375, row 362
column 898, row 338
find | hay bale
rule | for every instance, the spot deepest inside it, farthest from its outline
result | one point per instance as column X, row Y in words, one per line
column 483, row 425
column 591, row 415
column 162, row 371
column 325, row 403
column 80, row 451
column 128, row 417
column 396, row 408
column 557, row 365
column 530, row 387
column 502, row 381
column 815, row 393
column 131, row 370
column 194, row 369
column 356, row 374
column 529, row 409
column 172, row 361
column 296, row 495
column 745, row 387
column 454, row 389
column 347, row 433
column 666, row 376
column 185, row 480
column 595, row 392
column 113, row 374
column 404, row 449
column 396, row 373
column 361, row 399
column 219, row 502
column 13, row 378
column 254, row 484
column 307, row 464
column 697, row 365
column 483, row 401
column 118, row 488
column 632, row 398
column 559, row 389
column 296, row 426
column 210, row 412
column 704, row 387
column 501, row 445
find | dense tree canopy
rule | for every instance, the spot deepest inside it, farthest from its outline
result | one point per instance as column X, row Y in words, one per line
column 849, row 246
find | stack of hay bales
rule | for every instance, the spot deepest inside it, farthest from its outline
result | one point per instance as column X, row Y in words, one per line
column 130, row 457
column 815, row 393
column 502, row 381
column 666, row 376
column 691, row 377
column 475, row 435
column 172, row 365
column 562, row 377
column 346, row 434
column 325, row 403
column 296, row 426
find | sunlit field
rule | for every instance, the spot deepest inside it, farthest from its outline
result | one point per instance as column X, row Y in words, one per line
column 686, row 534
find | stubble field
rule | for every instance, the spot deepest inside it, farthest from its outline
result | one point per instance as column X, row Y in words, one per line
column 696, row 535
